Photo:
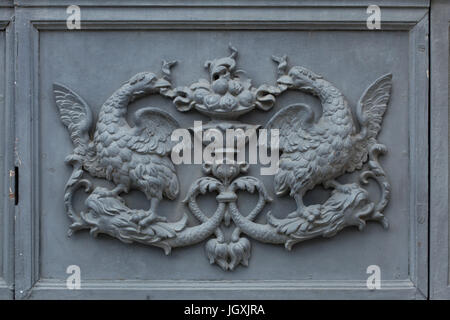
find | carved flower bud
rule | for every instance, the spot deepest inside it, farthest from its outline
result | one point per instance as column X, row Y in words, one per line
column 316, row 213
column 217, row 252
column 226, row 171
column 220, row 86
column 199, row 94
column 246, row 98
column 239, row 253
column 212, row 101
column 235, row 87
column 228, row 102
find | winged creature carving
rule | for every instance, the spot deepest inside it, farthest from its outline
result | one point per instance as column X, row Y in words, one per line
column 318, row 152
column 313, row 152
column 131, row 157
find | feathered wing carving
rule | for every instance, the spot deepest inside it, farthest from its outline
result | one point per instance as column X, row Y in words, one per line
column 298, row 140
column 151, row 136
column 133, row 157
column 152, row 131
column 314, row 151
column 318, row 152
column 369, row 112
column 294, row 124
column 75, row 114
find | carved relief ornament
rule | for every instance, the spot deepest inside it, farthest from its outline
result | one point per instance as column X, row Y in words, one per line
column 313, row 152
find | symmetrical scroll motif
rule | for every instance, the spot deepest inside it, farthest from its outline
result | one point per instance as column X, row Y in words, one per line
column 313, row 152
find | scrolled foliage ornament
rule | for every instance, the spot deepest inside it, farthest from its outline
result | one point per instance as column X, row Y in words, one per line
column 312, row 153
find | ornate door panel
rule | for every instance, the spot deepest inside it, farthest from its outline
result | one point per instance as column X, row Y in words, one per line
column 99, row 190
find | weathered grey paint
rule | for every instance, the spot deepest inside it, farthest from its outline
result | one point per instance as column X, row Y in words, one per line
column 6, row 150
column 439, row 214
column 117, row 41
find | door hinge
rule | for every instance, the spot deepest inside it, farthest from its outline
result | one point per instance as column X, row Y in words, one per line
column 14, row 185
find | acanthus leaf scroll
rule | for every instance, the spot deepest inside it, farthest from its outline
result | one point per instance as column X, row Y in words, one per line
column 312, row 153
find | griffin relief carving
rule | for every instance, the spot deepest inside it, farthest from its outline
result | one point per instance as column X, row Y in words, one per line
column 312, row 153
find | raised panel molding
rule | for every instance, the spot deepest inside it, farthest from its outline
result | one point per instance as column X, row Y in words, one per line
column 6, row 151
column 32, row 18
column 439, row 209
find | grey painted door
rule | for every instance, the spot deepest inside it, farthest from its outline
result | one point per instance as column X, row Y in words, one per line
column 338, row 92
column 439, row 218
column 7, row 185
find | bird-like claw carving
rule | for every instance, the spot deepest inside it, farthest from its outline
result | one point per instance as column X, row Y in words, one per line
column 295, row 214
column 137, row 216
column 312, row 153
column 114, row 193
column 309, row 213
column 107, row 194
column 145, row 218
column 153, row 217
